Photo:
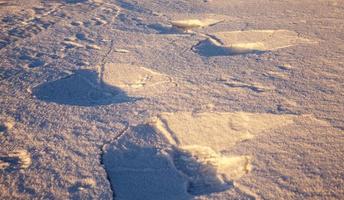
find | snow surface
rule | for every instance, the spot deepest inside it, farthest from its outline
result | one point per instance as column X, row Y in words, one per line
column 182, row 99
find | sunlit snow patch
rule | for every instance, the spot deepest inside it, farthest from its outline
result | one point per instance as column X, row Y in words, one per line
column 15, row 160
column 253, row 41
column 201, row 140
column 189, row 24
column 136, row 80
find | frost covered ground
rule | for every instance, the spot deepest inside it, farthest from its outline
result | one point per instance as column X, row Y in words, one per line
column 187, row 99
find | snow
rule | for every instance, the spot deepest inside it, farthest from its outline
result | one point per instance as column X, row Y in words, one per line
column 187, row 99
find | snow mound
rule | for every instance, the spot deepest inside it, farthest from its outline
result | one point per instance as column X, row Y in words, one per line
column 81, row 88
